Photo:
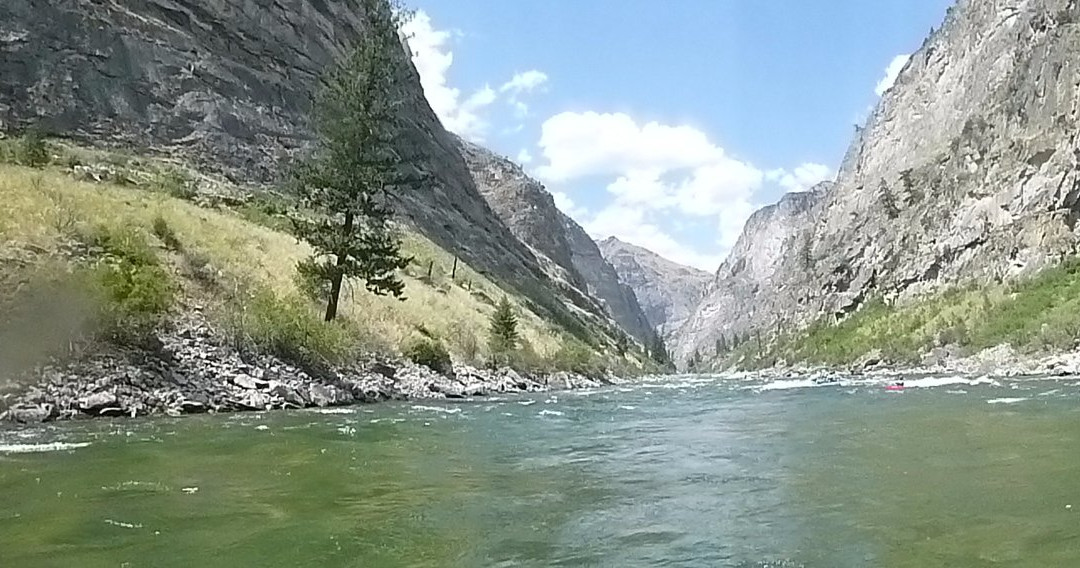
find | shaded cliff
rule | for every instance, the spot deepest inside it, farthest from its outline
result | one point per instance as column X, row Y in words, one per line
column 968, row 170
column 226, row 85
column 666, row 290
column 568, row 253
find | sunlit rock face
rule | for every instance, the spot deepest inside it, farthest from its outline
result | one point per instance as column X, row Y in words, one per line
column 967, row 170
column 666, row 290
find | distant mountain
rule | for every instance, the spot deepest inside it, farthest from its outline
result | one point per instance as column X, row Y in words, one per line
column 666, row 290
column 565, row 250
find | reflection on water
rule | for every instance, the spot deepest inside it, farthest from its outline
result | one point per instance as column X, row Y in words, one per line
column 693, row 472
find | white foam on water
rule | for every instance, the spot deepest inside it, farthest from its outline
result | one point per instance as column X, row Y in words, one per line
column 1006, row 400
column 152, row 485
column 36, row 448
column 526, row 402
column 787, row 385
column 123, row 524
column 627, row 407
column 347, row 430
column 262, row 427
column 956, row 391
column 550, row 413
column 436, row 409
column 189, row 490
column 931, row 382
column 1049, row 392
column 334, row 411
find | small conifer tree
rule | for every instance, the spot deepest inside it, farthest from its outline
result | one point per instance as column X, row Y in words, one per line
column 503, row 333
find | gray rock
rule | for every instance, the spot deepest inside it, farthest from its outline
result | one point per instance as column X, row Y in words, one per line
column 667, row 291
column 25, row 414
column 248, row 382
column 192, row 407
column 97, row 401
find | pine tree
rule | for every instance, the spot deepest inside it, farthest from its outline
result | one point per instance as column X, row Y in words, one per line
column 658, row 351
column 347, row 179
column 503, row 334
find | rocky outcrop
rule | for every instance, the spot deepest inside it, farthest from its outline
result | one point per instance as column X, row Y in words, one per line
column 226, row 85
column 572, row 256
column 967, row 170
column 197, row 370
column 666, row 290
column 735, row 303
column 603, row 282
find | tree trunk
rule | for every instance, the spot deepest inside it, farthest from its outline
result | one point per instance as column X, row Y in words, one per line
column 338, row 275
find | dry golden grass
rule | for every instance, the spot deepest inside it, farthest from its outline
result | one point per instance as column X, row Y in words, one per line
column 41, row 208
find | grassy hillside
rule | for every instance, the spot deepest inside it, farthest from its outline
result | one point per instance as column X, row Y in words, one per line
column 1035, row 315
column 234, row 260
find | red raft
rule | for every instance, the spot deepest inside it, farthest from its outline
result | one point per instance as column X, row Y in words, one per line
column 894, row 387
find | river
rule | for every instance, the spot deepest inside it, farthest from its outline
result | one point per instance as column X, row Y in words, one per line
column 690, row 471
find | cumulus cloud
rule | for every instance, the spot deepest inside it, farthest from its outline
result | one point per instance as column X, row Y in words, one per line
column 567, row 205
column 524, row 157
column 463, row 115
column 659, row 171
column 891, row 73
column 802, row 178
column 590, row 143
column 525, row 82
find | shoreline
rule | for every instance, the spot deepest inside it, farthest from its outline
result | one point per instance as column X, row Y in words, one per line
column 194, row 370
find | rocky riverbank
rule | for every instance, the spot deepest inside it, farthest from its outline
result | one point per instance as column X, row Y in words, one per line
column 1002, row 361
column 193, row 369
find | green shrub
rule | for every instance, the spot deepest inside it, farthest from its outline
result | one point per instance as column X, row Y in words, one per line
column 33, row 150
column 176, row 183
column 430, row 353
column 464, row 342
column 136, row 290
column 576, row 357
column 287, row 327
column 163, row 231
column 268, row 210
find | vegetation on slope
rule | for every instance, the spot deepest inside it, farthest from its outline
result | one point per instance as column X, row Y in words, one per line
column 1034, row 315
column 137, row 235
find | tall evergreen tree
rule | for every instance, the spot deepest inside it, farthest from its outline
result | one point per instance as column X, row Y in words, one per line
column 503, row 334
column 346, row 181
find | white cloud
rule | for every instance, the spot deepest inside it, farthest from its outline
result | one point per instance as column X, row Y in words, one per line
column 462, row 115
column 802, row 178
column 659, row 171
column 525, row 82
column 590, row 143
column 524, row 157
column 565, row 204
column 891, row 73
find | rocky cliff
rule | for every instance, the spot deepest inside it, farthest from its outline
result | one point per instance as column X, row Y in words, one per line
column 566, row 250
column 226, row 85
column 967, row 170
column 603, row 282
column 666, row 290
column 741, row 299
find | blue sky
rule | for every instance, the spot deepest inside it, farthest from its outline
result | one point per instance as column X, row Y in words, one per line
column 665, row 123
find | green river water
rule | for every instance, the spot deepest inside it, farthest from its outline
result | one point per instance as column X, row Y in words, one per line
column 690, row 471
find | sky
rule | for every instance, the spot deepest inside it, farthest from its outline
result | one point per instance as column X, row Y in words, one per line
column 665, row 124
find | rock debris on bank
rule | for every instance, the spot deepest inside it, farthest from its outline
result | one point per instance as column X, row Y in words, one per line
column 195, row 370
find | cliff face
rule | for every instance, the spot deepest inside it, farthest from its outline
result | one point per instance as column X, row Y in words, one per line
column 603, row 282
column 226, row 84
column 567, row 252
column 741, row 297
column 667, row 291
column 968, row 170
